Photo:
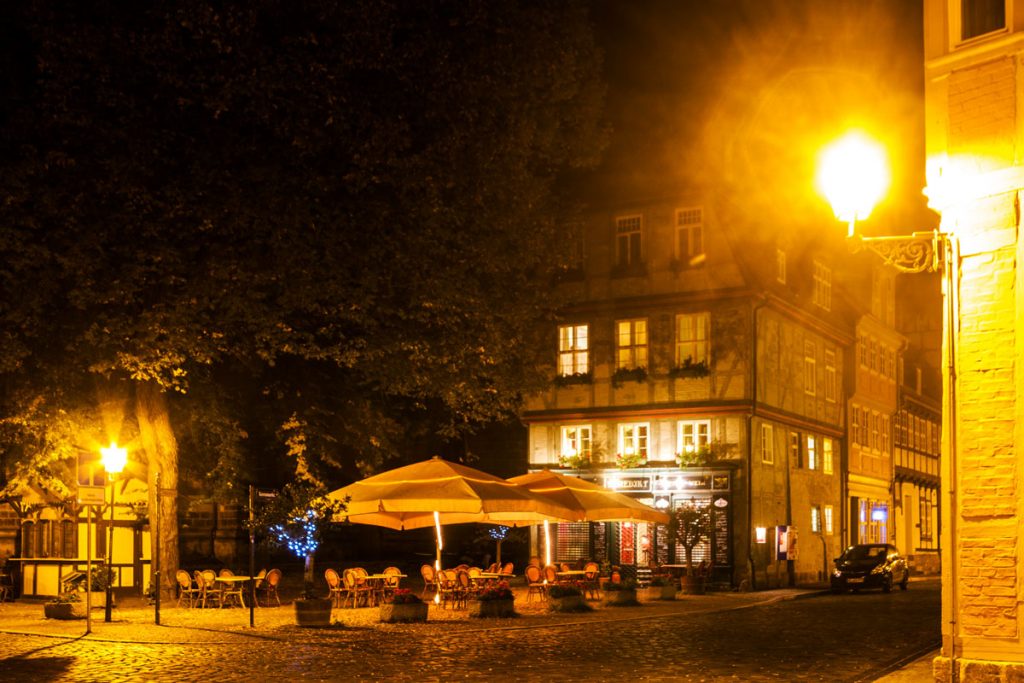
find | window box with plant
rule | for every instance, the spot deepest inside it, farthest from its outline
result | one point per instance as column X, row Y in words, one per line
column 566, row 598
column 403, row 606
column 620, row 593
column 496, row 600
column 573, row 378
column 690, row 369
column 697, row 456
column 626, row 461
column 623, row 375
column 577, row 461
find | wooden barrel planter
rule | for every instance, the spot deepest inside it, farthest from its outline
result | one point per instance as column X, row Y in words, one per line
column 491, row 609
column 403, row 612
column 313, row 612
column 691, row 585
column 625, row 597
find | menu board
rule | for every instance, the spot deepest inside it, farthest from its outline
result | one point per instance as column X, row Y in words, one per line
column 720, row 521
column 600, row 536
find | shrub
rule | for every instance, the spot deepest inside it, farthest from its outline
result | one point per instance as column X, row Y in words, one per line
column 624, row 585
column 403, row 596
column 563, row 591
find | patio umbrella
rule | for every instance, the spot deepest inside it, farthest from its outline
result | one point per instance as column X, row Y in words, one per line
column 436, row 492
column 590, row 502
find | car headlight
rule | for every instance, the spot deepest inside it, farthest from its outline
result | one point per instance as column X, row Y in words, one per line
column 880, row 569
column 836, row 573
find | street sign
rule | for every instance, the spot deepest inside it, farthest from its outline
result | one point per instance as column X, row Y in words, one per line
column 91, row 495
column 266, row 493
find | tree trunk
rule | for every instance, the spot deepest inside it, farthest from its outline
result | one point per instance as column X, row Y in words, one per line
column 161, row 447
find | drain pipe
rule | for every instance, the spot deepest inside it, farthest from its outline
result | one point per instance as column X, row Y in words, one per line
column 952, row 305
column 750, row 444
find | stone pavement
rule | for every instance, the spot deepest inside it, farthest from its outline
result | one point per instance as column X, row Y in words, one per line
column 218, row 644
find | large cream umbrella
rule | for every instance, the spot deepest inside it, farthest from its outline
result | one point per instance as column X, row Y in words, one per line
column 589, row 502
column 435, row 492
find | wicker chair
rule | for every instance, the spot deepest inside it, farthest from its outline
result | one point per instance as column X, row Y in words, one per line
column 535, row 583
column 269, row 587
column 186, row 588
column 429, row 579
column 390, row 584
column 335, row 587
column 592, row 580
column 231, row 592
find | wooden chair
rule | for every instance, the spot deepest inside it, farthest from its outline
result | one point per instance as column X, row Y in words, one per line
column 335, row 587
column 186, row 589
column 448, row 587
column 494, row 568
column 592, row 580
column 463, row 588
column 508, row 569
column 551, row 574
column 476, row 581
column 269, row 587
column 429, row 579
column 534, row 583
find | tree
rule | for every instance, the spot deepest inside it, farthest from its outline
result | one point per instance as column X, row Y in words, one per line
column 272, row 201
column 689, row 526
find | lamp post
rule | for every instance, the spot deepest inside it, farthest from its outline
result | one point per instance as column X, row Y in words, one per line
column 853, row 175
column 114, row 459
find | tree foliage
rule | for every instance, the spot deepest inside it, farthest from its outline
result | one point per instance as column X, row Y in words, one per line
column 249, row 193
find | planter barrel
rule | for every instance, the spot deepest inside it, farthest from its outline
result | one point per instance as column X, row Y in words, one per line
column 402, row 613
column 313, row 612
column 489, row 609
column 691, row 585
column 666, row 592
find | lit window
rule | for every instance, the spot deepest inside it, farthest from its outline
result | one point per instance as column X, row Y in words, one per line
column 627, row 240
column 692, row 435
column 855, row 424
column 690, row 236
column 815, row 519
column 633, row 439
column 692, row 334
column 826, row 456
column 767, row 444
column 794, row 449
column 822, row 286
column 631, row 344
column 828, row 520
column 810, row 369
column 573, row 355
column 978, row 17
column 780, row 266
column 830, row 376
column 812, row 453
column 576, row 441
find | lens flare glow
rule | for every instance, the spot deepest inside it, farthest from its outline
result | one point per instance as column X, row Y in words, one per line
column 853, row 175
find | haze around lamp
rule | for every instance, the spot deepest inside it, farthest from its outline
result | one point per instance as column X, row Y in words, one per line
column 114, row 458
column 853, row 175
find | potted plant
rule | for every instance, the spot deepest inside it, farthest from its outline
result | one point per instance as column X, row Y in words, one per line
column 620, row 593
column 495, row 601
column 629, row 460
column 662, row 588
column 401, row 606
column 689, row 526
column 295, row 520
column 566, row 598
column 101, row 578
column 64, row 606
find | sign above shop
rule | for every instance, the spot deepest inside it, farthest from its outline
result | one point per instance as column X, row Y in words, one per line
column 627, row 483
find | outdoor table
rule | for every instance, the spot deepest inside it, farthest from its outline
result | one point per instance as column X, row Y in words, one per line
column 570, row 575
column 231, row 582
column 376, row 582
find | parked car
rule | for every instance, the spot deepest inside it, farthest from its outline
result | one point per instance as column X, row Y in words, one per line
column 870, row 565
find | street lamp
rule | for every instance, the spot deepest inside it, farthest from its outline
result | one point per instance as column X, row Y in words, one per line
column 114, row 458
column 853, row 175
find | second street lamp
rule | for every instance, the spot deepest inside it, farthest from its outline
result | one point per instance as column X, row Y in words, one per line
column 114, row 459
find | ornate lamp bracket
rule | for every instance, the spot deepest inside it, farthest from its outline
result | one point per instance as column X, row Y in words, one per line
column 919, row 252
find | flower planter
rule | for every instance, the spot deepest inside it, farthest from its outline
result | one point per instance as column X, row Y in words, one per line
column 667, row 592
column 620, row 598
column 568, row 603
column 64, row 610
column 313, row 612
column 403, row 612
column 691, row 585
column 489, row 609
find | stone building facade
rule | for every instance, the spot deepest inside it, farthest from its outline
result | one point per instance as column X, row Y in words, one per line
column 973, row 80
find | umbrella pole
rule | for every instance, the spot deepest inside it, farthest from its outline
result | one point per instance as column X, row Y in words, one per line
column 547, row 543
column 437, row 562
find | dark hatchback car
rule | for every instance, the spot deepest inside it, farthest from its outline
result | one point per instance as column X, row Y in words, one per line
column 870, row 565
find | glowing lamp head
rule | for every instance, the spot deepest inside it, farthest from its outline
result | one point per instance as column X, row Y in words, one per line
column 853, row 175
column 114, row 458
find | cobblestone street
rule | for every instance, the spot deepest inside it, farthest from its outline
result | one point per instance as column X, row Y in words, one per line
column 767, row 636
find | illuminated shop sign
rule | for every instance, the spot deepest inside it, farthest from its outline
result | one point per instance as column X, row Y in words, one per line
column 617, row 483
